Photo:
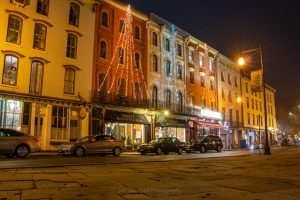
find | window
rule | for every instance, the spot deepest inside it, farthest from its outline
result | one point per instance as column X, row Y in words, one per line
column 237, row 115
column 256, row 106
column 36, row 78
column 211, row 65
column 102, row 86
column 154, row 96
column 179, row 100
column 179, row 72
column 154, row 63
column 167, row 44
column 121, row 87
column 72, row 46
column 235, row 82
column 42, row 7
column 103, row 49
column 248, row 118
column 191, row 58
column 253, row 119
column 122, row 26
column 271, row 99
column 229, row 79
column 252, row 101
column 192, row 77
column 39, row 40
column 229, row 97
column 222, row 76
column 179, row 51
column 74, row 14
column 258, row 119
column 260, row 106
column 60, row 122
column 200, row 60
column 10, row 114
column 154, row 39
column 137, row 60
column 168, row 68
column 203, row 102
column 168, row 98
column 137, row 90
column 223, row 95
column 247, row 91
column 137, row 33
column 69, row 81
column 14, row 29
column 121, row 55
column 202, row 81
column 104, row 21
column 10, row 70
column 271, row 110
column 212, row 105
column 212, row 85
column 247, row 102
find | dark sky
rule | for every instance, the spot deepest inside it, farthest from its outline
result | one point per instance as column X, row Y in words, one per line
column 231, row 26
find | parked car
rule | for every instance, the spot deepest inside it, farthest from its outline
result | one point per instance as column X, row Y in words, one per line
column 13, row 142
column 205, row 143
column 287, row 142
column 104, row 144
column 159, row 145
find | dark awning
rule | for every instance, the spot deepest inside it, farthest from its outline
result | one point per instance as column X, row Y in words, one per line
column 124, row 117
column 171, row 122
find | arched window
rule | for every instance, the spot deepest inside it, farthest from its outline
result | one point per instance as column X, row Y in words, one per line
column 69, row 85
column 36, row 78
column 122, row 26
column 179, row 101
column 72, row 46
column 168, row 68
column 10, row 70
column 179, row 52
column 137, row 33
column 167, row 44
column 14, row 29
column 154, row 63
column 102, row 86
column 74, row 14
column 103, row 49
column 104, row 21
column 154, row 39
column 39, row 40
column 121, row 87
column 121, row 55
column 179, row 72
column 137, row 60
column 154, row 96
column 168, row 98
column 138, row 92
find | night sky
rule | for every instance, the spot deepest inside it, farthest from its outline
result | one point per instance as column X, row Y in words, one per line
column 231, row 26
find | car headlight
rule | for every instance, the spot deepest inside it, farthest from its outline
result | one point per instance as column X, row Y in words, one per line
column 66, row 146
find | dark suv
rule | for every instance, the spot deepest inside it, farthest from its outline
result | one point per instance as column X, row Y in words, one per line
column 159, row 145
column 205, row 143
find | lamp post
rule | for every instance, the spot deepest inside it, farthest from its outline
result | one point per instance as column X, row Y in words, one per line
column 241, row 62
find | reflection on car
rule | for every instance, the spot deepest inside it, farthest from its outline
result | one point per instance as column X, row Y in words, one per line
column 104, row 144
column 205, row 143
column 159, row 145
column 13, row 142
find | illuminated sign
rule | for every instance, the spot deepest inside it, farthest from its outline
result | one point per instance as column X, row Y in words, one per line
column 210, row 114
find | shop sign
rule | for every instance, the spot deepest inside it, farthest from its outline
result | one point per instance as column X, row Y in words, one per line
column 122, row 117
column 171, row 122
column 82, row 113
column 210, row 114
column 256, row 81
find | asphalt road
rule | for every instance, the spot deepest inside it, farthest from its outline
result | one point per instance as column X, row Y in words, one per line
column 53, row 160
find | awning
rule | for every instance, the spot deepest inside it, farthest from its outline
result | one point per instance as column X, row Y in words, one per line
column 171, row 122
column 206, row 123
column 124, row 117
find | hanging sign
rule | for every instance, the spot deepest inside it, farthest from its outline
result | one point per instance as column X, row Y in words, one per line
column 256, row 81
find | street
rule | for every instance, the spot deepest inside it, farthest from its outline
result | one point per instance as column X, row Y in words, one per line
column 244, row 175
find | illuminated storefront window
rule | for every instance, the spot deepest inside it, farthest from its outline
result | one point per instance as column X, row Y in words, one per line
column 10, row 114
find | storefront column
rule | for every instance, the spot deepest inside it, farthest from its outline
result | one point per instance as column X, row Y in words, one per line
column 32, row 119
column 85, row 126
column 46, row 129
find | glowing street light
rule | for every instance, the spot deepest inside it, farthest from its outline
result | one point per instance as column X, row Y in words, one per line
column 239, row 99
column 241, row 61
column 166, row 112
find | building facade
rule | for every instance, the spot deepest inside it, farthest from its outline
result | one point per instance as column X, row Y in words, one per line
column 45, row 65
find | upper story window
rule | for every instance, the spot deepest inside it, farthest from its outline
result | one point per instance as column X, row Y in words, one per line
column 236, row 82
column 179, row 72
column 168, row 68
column 42, row 7
column 36, row 78
column 74, row 14
column 105, row 18
column 229, row 79
column 122, row 26
column 222, row 76
column 121, row 55
column 179, row 50
column 247, row 89
column 201, row 60
column 10, row 70
column 39, row 40
column 252, row 101
column 137, row 60
column 14, row 29
column 72, row 46
column 154, row 39
column 191, row 57
column 69, row 85
column 202, row 81
column 154, row 63
column 247, row 102
column 168, row 98
column 211, row 67
column 192, row 77
column 223, row 95
column 167, row 47
column 103, row 49
column 229, row 97
column 212, row 85
column 137, row 33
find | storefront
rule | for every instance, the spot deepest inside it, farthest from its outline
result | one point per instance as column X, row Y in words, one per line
column 132, row 128
column 171, row 127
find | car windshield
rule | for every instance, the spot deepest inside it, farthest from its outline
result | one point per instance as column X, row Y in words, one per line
column 154, row 141
column 85, row 139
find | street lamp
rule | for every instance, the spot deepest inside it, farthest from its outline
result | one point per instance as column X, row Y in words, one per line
column 241, row 62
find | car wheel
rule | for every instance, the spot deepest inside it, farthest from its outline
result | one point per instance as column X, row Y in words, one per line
column 117, row 151
column 22, row 151
column 79, row 152
column 219, row 148
column 179, row 150
column 203, row 149
column 9, row 155
column 158, row 151
column 143, row 153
